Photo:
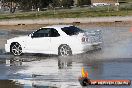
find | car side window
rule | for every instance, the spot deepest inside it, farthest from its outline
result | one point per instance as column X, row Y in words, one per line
column 43, row 32
column 54, row 33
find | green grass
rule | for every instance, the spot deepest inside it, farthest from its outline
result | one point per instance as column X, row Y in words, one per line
column 67, row 13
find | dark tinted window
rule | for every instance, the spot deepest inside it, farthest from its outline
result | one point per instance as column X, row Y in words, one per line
column 54, row 33
column 72, row 30
column 44, row 32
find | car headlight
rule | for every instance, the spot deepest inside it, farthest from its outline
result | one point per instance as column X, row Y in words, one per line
column 7, row 41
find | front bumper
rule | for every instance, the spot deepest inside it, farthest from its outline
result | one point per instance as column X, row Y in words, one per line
column 7, row 47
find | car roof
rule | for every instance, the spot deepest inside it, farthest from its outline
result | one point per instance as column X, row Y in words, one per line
column 57, row 26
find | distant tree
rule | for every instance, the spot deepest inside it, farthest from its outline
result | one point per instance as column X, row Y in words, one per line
column 11, row 4
column 28, row 4
column 83, row 2
column 45, row 3
column 56, row 3
column 34, row 4
column 67, row 3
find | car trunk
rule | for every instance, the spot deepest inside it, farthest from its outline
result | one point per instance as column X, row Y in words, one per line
column 92, row 37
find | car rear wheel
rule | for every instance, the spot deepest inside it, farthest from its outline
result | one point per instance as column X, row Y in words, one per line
column 64, row 50
column 16, row 49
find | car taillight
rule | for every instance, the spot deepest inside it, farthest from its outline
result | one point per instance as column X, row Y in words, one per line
column 83, row 39
column 87, row 39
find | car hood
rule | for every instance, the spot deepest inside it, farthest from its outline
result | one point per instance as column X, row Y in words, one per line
column 17, row 39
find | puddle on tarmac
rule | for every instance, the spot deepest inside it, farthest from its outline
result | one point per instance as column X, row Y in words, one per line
column 58, row 72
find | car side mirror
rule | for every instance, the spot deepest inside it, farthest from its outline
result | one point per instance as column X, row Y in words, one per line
column 31, row 35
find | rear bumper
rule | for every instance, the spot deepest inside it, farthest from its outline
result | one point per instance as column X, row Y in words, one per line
column 86, row 47
column 92, row 46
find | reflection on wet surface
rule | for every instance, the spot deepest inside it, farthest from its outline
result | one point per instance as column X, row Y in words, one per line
column 62, row 72
column 114, row 61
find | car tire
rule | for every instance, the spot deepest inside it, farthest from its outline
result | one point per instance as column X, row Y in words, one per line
column 16, row 49
column 64, row 50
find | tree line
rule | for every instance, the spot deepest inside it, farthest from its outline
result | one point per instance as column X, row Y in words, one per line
column 34, row 4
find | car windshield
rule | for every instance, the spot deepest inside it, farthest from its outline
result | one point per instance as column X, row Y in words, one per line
column 72, row 30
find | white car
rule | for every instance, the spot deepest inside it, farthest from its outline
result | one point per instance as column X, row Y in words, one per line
column 57, row 39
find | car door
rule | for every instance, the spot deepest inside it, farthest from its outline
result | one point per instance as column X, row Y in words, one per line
column 39, row 41
column 55, row 41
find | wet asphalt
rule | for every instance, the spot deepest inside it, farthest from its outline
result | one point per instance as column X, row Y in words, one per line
column 113, row 61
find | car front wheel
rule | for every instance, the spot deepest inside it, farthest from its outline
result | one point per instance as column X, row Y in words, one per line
column 16, row 49
column 64, row 50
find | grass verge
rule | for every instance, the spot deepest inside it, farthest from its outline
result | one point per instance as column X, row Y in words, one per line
column 66, row 14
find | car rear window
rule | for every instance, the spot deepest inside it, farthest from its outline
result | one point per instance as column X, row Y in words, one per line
column 72, row 30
